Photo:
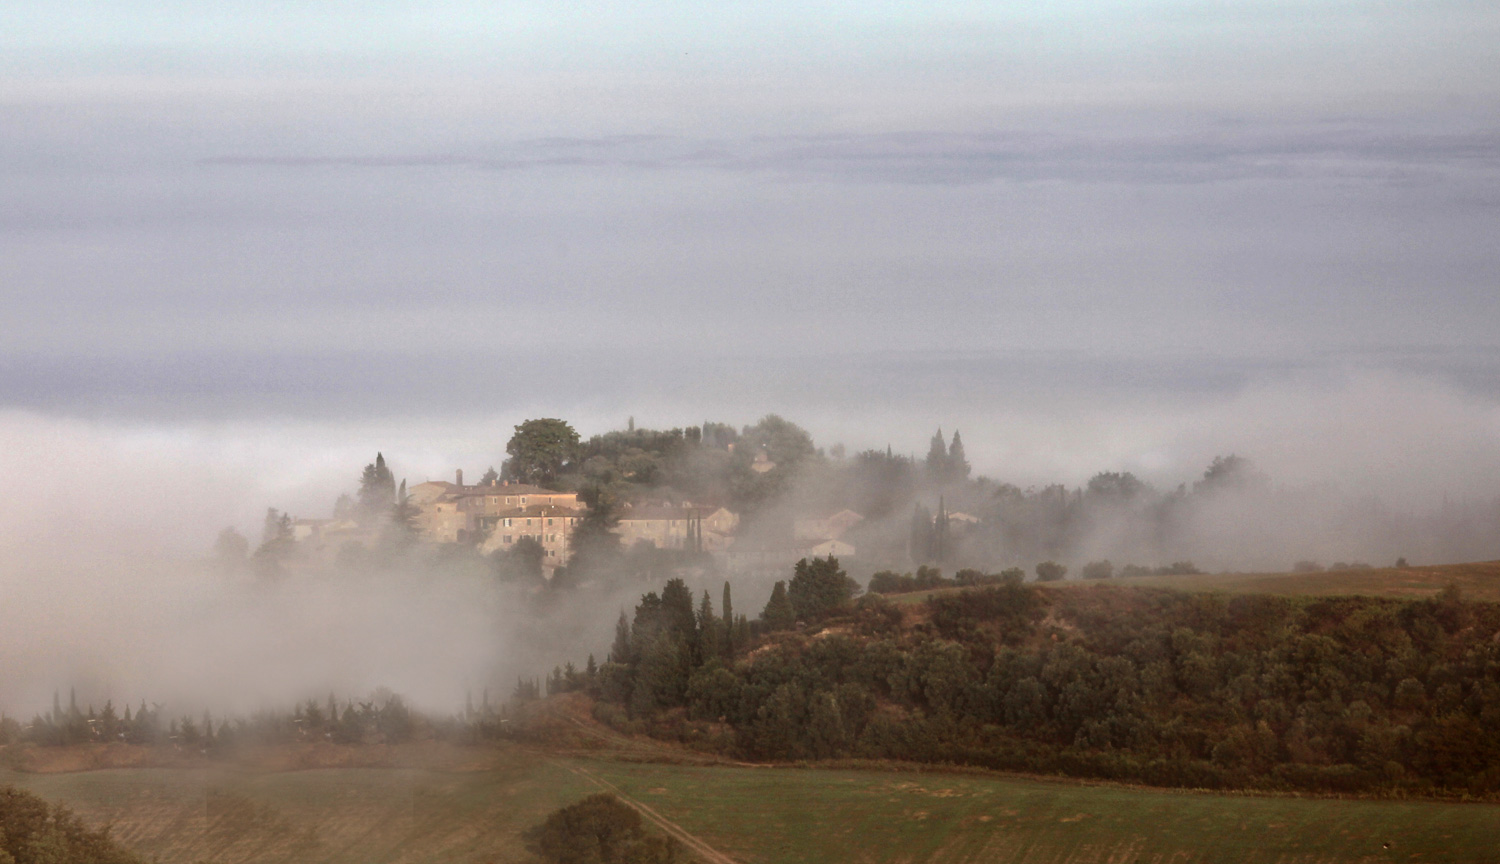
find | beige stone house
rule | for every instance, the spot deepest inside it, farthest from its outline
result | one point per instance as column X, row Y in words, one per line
column 668, row 526
column 454, row 512
column 551, row 526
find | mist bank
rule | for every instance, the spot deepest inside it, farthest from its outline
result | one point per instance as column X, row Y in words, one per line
column 109, row 518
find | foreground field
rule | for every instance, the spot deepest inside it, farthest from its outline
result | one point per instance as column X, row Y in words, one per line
column 476, row 813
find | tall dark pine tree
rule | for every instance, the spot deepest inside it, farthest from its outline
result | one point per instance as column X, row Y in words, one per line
column 958, row 465
column 620, row 651
column 677, row 611
column 727, row 643
column 779, row 614
column 708, row 631
column 377, row 489
column 937, row 458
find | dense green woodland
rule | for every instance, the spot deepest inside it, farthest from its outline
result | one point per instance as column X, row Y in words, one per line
column 1343, row 694
column 35, row 832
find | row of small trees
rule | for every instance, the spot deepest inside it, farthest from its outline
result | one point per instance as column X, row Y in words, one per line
column 931, row 578
column 384, row 717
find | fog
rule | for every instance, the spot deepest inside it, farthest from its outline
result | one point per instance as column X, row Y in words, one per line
column 108, row 521
column 246, row 246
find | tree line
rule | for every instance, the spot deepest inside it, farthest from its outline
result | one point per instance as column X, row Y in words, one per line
column 383, row 718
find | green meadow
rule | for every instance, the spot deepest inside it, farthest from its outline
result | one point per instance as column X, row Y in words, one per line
column 749, row 814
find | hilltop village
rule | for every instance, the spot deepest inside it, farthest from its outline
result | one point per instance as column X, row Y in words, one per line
column 497, row 515
column 722, row 497
column 761, row 497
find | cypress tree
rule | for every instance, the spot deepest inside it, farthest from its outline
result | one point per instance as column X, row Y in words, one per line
column 677, row 609
column 708, row 630
column 377, row 488
column 958, row 466
column 620, row 651
column 937, row 458
column 728, row 611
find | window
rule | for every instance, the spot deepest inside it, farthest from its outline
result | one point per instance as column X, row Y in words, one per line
column 549, row 521
column 528, row 523
column 507, row 524
column 523, row 501
column 507, row 540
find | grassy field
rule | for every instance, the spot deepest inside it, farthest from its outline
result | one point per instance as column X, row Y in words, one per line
column 750, row 814
column 322, row 815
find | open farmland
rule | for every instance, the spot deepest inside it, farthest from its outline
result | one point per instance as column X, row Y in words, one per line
column 750, row 814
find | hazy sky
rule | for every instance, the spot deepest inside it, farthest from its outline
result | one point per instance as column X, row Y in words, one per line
column 1085, row 232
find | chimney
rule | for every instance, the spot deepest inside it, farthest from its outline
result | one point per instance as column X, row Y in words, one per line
column 459, row 478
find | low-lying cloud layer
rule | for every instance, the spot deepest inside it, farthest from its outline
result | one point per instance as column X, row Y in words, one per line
column 107, row 523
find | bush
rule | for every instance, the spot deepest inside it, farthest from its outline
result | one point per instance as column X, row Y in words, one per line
column 1050, row 571
column 819, row 586
column 34, row 832
column 600, row 829
column 1098, row 569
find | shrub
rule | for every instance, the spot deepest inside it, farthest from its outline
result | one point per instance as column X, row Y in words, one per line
column 1050, row 571
column 1098, row 569
column 819, row 586
column 600, row 829
column 34, row 832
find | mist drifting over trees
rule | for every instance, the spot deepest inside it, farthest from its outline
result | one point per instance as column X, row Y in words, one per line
column 129, row 599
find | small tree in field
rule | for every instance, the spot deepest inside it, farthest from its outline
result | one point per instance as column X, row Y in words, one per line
column 600, row 829
column 1098, row 570
column 1050, row 571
